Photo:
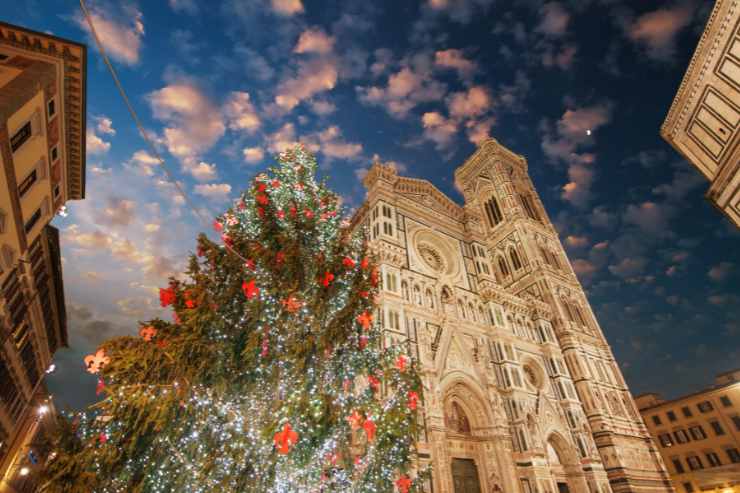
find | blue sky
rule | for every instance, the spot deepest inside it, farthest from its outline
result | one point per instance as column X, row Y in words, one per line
column 222, row 86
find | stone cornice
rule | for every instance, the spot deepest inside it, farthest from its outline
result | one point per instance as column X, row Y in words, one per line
column 695, row 72
column 488, row 150
column 72, row 57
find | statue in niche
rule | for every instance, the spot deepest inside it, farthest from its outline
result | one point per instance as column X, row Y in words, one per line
column 494, row 483
column 456, row 420
column 534, row 432
column 448, row 302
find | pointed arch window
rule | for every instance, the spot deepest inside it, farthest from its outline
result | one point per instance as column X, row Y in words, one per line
column 515, row 259
column 555, row 261
column 417, row 295
column 430, row 298
column 461, row 308
column 503, row 267
column 493, row 212
column 529, row 206
column 457, row 420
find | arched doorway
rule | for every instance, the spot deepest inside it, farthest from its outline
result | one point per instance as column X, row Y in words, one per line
column 565, row 468
column 465, row 474
column 469, row 451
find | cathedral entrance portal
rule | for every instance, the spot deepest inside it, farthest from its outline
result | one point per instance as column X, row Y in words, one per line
column 465, row 476
column 563, row 487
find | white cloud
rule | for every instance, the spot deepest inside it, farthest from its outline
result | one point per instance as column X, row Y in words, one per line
column 455, row 59
column 214, row 191
column 650, row 217
column 629, row 267
column 459, row 10
column 405, row 89
column 117, row 212
column 581, row 175
column 142, row 163
column 287, row 7
column 576, row 241
column 333, row 145
column 121, row 41
column 282, row 139
column 438, row 129
column 554, row 21
column 193, row 123
column 323, row 107
column 240, row 112
column 470, row 104
column 479, row 131
column 105, row 125
column 314, row 40
column 187, row 6
column 253, row 155
column 657, row 31
column 382, row 63
column 96, row 145
column 721, row 271
column 203, row 171
column 313, row 77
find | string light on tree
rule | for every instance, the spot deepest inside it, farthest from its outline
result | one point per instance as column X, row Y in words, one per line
column 272, row 376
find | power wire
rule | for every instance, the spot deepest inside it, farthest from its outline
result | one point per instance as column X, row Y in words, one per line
column 140, row 127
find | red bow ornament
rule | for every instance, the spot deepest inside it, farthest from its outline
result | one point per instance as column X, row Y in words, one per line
column 285, row 439
column 327, row 279
column 403, row 484
column 147, row 333
column 95, row 362
column 167, row 296
column 292, row 304
column 370, row 429
column 250, row 289
column 413, row 400
column 355, row 420
column 365, row 319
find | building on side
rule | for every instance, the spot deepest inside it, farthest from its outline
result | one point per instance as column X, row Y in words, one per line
column 42, row 165
column 699, row 435
column 703, row 124
column 522, row 392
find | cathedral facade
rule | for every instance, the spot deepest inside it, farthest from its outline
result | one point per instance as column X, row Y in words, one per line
column 521, row 390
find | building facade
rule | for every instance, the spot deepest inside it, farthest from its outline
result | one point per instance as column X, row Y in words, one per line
column 699, row 435
column 42, row 165
column 703, row 124
column 522, row 393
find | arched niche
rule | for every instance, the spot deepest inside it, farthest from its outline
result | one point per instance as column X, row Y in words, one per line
column 459, row 387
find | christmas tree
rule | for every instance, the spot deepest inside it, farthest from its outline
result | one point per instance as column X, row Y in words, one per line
column 273, row 376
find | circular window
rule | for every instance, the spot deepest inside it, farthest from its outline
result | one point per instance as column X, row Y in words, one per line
column 435, row 253
column 431, row 257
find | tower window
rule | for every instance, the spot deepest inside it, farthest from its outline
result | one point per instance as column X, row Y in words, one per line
column 503, row 267
column 529, row 207
column 493, row 212
column 515, row 260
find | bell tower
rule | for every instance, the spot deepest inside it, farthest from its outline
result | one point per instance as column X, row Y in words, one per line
column 529, row 261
